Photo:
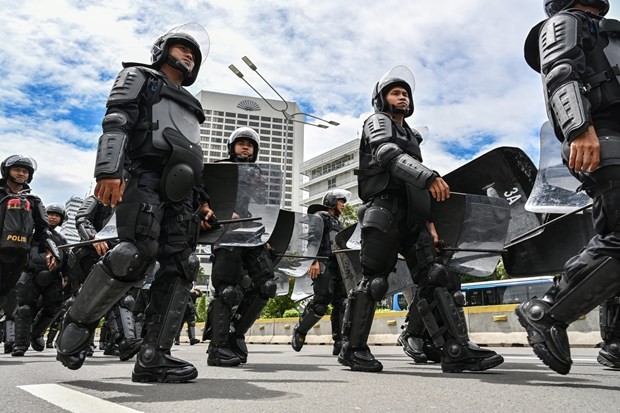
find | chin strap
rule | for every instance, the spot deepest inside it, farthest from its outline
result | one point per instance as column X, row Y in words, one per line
column 178, row 65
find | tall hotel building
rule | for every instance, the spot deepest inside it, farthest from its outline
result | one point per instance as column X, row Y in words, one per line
column 281, row 141
column 330, row 170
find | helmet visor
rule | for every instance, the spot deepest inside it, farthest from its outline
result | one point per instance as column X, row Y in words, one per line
column 21, row 160
column 397, row 74
column 341, row 194
column 197, row 33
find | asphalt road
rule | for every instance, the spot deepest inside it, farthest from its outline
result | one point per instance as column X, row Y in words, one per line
column 276, row 379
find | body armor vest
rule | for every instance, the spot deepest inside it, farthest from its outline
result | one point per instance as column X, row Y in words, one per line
column 372, row 178
column 603, row 87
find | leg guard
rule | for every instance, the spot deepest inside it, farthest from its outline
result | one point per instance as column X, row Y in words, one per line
column 219, row 320
column 97, row 295
column 336, row 319
column 154, row 363
column 307, row 320
column 9, row 336
column 191, row 334
column 412, row 336
column 448, row 330
column 247, row 313
column 23, row 321
column 593, row 282
column 128, row 343
column 51, row 335
column 41, row 322
column 358, row 317
column 609, row 355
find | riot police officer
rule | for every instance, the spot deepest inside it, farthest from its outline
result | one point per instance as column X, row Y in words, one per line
column 148, row 161
column 39, row 284
column 227, row 346
column 578, row 54
column 22, row 219
column 396, row 188
column 327, row 283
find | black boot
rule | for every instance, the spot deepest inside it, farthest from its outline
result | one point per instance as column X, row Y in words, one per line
column 307, row 320
column 219, row 351
column 358, row 319
column 191, row 334
column 546, row 335
column 129, row 347
column 413, row 346
column 238, row 346
column 456, row 358
column 609, row 354
column 162, row 322
column 154, row 365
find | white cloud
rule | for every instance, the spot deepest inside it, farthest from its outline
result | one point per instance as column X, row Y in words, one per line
column 59, row 58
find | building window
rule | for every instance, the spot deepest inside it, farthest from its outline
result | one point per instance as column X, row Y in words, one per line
column 254, row 117
column 331, row 183
column 231, row 121
column 242, row 116
column 242, row 122
column 231, row 114
column 265, row 118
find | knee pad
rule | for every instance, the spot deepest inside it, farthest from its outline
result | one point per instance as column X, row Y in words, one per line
column 269, row 289
column 127, row 302
column 434, row 275
column 459, row 299
column 231, row 296
column 24, row 311
column 378, row 288
column 126, row 262
column 320, row 309
column 193, row 267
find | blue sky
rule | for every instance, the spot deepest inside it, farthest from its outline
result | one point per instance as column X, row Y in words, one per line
column 473, row 89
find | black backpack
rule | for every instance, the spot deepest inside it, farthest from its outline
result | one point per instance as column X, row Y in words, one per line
column 16, row 223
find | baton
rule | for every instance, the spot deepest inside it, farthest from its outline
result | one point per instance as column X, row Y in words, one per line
column 530, row 232
column 305, row 257
column 89, row 242
column 490, row 251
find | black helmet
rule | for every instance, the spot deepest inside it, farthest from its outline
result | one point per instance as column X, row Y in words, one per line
column 18, row 160
column 243, row 133
column 396, row 76
column 554, row 6
column 191, row 35
column 57, row 209
column 330, row 199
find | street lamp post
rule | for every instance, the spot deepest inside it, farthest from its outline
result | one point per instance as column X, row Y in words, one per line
column 290, row 117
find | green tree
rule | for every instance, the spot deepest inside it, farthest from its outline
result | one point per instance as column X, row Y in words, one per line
column 277, row 306
column 349, row 215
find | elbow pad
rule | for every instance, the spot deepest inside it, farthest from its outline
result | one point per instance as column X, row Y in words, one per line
column 86, row 230
column 386, row 153
column 570, row 108
column 409, row 170
column 111, row 149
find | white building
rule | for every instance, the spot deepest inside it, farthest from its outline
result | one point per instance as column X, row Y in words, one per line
column 282, row 142
column 332, row 169
column 68, row 227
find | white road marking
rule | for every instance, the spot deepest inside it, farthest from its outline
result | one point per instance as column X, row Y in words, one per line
column 74, row 401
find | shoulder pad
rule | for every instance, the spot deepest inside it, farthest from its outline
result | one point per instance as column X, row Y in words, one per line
column 609, row 25
column 530, row 48
column 128, row 85
column 87, row 207
column 378, row 128
column 558, row 38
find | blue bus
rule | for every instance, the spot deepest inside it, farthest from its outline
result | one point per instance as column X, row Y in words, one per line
column 496, row 292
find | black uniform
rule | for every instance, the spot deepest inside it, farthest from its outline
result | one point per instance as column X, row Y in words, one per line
column 578, row 55
column 394, row 185
column 38, row 284
column 328, row 289
column 189, row 318
column 243, row 278
column 12, row 261
column 151, row 139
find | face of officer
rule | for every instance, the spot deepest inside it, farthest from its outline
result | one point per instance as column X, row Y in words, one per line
column 398, row 97
column 244, row 148
column 19, row 175
column 183, row 54
column 53, row 219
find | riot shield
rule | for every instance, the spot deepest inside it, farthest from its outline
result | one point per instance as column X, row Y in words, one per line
column 506, row 173
column 351, row 268
column 547, row 252
column 475, row 223
column 281, row 280
column 303, row 234
column 555, row 188
column 302, row 288
column 259, row 193
column 109, row 230
column 220, row 180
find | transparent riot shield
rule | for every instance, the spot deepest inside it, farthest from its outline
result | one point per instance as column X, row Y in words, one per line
column 503, row 172
column 109, row 230
column 302, row 288
column 281, row 280
column 304, row 244
column 351, row 268
column 475, row 223
column 555, row 188
column 258, row 195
